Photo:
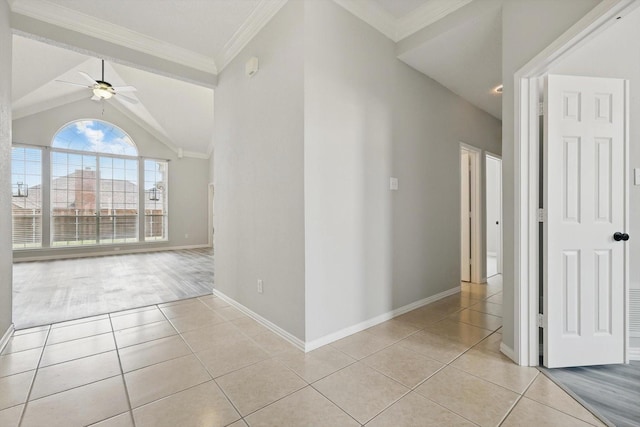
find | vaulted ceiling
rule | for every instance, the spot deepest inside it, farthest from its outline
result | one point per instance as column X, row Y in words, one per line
column 193, row 40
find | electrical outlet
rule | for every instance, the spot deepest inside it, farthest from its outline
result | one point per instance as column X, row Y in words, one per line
column 260, row 286
column 186, row 236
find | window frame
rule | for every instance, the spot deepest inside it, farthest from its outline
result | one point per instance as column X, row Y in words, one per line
column 42, row 197
column 47, row 177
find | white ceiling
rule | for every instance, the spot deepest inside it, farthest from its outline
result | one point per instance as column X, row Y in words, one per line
column 467, row 59
column 402, row 8
column 206, row 35
column 202, row 26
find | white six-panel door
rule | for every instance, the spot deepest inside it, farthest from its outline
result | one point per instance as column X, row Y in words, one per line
column 584, row 198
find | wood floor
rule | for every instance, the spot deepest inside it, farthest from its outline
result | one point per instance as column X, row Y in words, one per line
column 52, row 291
column 611, row 391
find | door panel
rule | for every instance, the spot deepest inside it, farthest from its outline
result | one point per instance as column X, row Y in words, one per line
column 585, row 201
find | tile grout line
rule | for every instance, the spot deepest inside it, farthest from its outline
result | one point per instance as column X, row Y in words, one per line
column 33, row 380
column 560, row 410
column 201, row 363
column 520, row 397
column 124, row 381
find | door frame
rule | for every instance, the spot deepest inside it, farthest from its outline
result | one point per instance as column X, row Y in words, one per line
column 488, row 154
column 526, row 91
column 210, row 197
column 476, row 211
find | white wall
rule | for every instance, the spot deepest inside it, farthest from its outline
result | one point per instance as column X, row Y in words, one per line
column 188, row 177
column 368, row 116
column 5, row 169
column 528, row 26
column 615, row 53
column 259, row 178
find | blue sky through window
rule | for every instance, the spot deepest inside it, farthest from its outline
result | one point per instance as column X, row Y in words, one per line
column 95, row 136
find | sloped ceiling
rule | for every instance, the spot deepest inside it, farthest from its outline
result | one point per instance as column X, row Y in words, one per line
column 467, row 59
column 178, row 113
column 463, row 49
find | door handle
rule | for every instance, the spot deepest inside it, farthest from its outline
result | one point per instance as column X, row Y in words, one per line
column 617, row 236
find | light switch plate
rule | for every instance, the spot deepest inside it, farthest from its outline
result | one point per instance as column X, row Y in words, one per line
column 636, row 176
column 393, row 183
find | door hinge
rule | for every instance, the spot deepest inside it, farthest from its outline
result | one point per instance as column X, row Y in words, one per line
column 542, row 215
column 541, row 109
column 540, row 320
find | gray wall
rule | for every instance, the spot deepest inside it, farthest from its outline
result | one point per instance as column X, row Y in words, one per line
column 259, row 175
column 528, row 27
column 616, row 53
column 369, row 116
column 188, row 177
column 5, row 169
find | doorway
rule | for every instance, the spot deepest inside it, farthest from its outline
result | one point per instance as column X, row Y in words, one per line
column 470, row 228
column 493, row 167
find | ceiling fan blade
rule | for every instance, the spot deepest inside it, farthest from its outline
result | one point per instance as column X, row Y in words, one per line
column 125, row 98
column 74, row 84
column 124, row 89
column 88, row 77
column 96, row 98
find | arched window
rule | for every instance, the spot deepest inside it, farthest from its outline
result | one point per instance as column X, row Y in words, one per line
column 98, row 188
column 94, row 136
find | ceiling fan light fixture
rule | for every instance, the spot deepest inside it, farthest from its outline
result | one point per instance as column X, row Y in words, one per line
column 102, row 92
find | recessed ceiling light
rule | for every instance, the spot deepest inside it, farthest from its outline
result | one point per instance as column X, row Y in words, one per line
column 498, row 89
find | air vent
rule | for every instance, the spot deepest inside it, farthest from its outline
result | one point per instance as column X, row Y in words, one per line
column 634, row 313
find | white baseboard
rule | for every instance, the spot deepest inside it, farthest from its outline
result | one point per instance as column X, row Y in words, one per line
column 508, row 351
column 634, row 353
column 297, row 342
column 103, row 253
column 334, row 336
column 5, row 338
column 306, row 347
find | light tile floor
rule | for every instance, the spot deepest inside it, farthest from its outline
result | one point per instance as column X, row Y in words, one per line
column 201, row 362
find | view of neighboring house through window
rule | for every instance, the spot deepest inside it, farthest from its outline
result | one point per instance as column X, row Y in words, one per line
column 26, row 203
column 94, row 188
column 118, row 200
column 73, row 199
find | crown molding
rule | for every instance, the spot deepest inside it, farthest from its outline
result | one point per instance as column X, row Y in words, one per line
column 70, row 19
column 397, row 29
column 261, row 15
column 195, row 154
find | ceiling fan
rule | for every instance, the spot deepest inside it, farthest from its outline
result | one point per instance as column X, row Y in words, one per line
column 104, row 90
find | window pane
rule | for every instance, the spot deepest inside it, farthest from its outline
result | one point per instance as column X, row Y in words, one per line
column 26, row 203
column 95, row 136
column 118, row 200
column 155, row 203
column 73, row 199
